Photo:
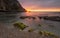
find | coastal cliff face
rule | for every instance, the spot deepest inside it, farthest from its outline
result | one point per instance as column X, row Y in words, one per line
column 11, row 5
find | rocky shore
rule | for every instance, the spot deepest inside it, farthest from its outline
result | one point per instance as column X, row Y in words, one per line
column 6, row 32
column 52, row 18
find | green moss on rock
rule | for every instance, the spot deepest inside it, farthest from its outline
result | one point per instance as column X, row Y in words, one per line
column 46, row 33
column 39, row 25
column 31, row 30
column 19, row 25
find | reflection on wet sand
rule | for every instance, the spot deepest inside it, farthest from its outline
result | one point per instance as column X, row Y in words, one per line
column 7, row 17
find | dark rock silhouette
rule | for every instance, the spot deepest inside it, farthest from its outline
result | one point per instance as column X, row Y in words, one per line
column 23, row 17
column 52, row 18
column 10, row 5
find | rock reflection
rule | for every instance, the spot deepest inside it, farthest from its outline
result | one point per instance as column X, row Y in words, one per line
column 7, row 17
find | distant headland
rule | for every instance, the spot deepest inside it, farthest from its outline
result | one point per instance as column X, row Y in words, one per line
column 11, row 5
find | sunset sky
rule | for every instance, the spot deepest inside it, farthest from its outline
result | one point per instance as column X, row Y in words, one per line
column 42, row 5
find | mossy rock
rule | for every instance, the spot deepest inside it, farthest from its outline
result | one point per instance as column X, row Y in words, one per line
column 19, row 25
column 31, row 30
column 39, row 25
column 46, row 33
column 41, row 32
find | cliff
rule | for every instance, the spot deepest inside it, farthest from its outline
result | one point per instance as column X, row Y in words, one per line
column 11, row 5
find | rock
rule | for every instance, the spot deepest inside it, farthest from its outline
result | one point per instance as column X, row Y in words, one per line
column 39, row 25
column 53, row 18
column 48, row 34
column 20, row 26
column 11, row 5
column 31, row 30
column 41, row 17
column 23, row 17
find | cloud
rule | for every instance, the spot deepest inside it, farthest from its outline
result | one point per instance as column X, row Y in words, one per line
column 40, row 3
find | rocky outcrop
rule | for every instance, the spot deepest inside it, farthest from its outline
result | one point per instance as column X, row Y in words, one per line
column 52, row 18
column 10, row 5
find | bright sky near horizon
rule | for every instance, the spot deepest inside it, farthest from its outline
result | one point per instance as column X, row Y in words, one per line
column 42, row 5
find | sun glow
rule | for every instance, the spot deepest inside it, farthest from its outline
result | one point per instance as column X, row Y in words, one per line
column 44, row 10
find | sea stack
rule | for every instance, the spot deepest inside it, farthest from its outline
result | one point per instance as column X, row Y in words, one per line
column 11, row 5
